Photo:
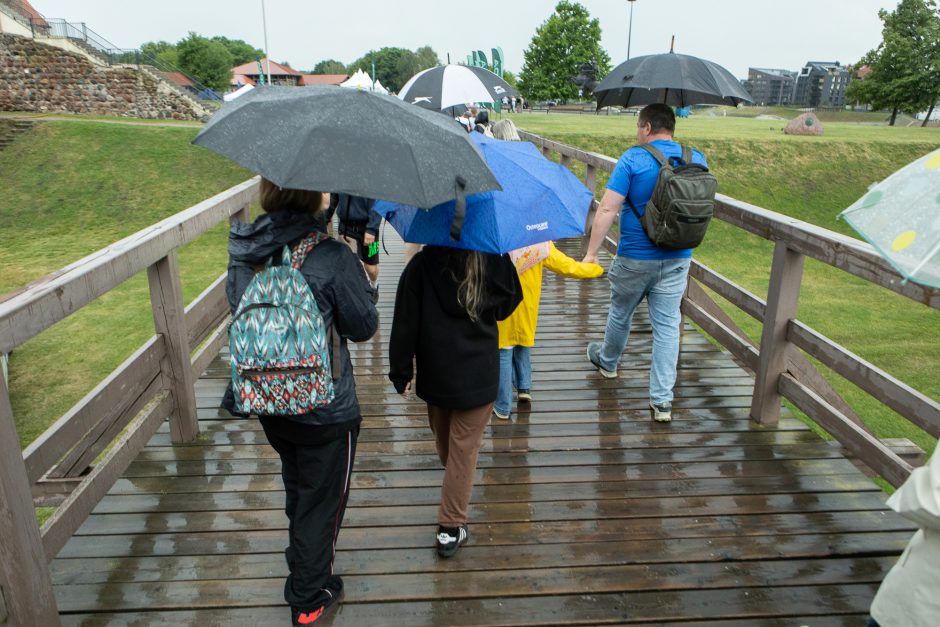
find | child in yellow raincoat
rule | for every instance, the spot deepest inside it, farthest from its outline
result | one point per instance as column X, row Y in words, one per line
column 517, row 332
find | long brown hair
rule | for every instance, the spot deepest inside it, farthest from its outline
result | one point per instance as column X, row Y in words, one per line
column 471, row 291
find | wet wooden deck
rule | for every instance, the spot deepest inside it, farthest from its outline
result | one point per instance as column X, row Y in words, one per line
column 585, row 512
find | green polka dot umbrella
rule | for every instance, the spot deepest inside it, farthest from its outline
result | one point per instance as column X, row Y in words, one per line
column 900, row 217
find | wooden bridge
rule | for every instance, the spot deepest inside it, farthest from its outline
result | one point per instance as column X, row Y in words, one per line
column 585, row 512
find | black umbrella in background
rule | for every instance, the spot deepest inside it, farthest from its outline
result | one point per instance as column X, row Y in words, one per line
column 327, row 138
column 677, row 80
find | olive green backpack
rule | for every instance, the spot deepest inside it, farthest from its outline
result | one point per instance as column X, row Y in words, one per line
column 682, row 204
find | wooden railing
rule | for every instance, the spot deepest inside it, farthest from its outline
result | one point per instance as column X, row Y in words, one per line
column 121, row 413
column 781, row 368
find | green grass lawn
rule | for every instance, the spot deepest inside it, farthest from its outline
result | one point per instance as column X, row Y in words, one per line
column 813, row 179
column 71, row 188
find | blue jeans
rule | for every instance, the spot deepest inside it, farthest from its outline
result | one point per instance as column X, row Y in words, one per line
column 515, row 370
column 662, row 283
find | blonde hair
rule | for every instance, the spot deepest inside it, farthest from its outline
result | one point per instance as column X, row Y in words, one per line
column 471, row 292
column 505, row 129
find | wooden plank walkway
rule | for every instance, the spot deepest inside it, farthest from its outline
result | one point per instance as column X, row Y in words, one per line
column 585, row 511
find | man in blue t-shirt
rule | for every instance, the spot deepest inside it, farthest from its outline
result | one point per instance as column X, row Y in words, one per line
column 642, row 269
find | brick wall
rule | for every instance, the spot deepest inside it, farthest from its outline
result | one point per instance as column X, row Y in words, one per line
column 41, row 78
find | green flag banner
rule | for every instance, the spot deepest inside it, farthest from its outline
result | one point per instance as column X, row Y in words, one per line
column 498, row 62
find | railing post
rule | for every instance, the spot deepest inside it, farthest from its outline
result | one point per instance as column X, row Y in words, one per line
column 590, row 180
column 24, row 577
column 566, row 161
column 547, row 152
column 783, row 295
column 166, row 298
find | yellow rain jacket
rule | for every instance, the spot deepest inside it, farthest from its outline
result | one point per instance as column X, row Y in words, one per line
column 519, row 328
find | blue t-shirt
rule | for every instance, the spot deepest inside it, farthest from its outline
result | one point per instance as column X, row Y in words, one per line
column 635, row 177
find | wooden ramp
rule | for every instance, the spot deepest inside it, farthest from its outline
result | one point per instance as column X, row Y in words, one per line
column 585, row 512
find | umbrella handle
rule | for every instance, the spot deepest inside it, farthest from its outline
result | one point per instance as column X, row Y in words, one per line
column 460, row 208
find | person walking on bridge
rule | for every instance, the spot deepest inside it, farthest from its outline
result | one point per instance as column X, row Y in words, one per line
column 446, row 310
column 642, row 269
column 317, row 449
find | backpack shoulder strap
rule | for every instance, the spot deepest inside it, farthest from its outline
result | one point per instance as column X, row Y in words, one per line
column 686, row 155
column 659, row 156
column 303, row 248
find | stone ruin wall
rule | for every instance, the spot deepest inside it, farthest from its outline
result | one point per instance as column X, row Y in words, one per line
column 35, row 77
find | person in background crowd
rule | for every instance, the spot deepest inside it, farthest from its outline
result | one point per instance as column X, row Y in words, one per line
column 359, row 228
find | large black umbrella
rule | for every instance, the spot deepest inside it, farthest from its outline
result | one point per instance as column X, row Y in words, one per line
column 450, row 85
column 674, row 79
column 326, row 138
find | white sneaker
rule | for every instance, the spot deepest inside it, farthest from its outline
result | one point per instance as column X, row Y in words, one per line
column 594, row 356
column 661, row 412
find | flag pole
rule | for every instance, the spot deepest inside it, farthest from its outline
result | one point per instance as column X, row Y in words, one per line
column 264, row 22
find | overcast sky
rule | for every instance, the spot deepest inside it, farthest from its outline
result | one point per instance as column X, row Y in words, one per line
column 735, row 33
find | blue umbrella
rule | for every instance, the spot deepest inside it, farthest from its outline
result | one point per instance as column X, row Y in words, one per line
column 540, row 201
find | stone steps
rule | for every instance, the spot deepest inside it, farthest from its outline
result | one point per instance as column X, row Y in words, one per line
column 14, row 129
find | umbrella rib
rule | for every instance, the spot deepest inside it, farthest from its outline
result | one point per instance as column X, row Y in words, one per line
column 930, row 255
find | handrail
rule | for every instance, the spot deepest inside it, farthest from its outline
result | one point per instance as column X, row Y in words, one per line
column 154, row 384
column 781, row 369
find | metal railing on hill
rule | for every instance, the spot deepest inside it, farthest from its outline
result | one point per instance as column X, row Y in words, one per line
column 104, row 50
column 779, row 361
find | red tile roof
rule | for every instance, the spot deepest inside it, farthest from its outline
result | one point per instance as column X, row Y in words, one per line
column 323, row 79
column 27, row 10
column 179, row 78
column 251, row 69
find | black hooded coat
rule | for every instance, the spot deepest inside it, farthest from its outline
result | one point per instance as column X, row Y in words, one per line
column 457, row 357
column 339, row 285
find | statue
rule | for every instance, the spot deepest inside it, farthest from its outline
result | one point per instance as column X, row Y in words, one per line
column 586, row 80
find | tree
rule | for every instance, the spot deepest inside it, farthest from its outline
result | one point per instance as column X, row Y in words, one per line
column 329, row 66
column 163, row 51
column 241, row 51
column 568, row 38
column 905, row 67
column 510, row 78
column 393, row 66
column 208, row 61
column 427, row 58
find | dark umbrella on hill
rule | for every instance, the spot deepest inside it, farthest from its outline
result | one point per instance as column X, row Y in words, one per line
column 450, row 85
column 678, row 80
column 343, row 140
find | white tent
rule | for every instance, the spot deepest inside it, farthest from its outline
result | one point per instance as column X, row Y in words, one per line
column 361, row 80
column 241, row 91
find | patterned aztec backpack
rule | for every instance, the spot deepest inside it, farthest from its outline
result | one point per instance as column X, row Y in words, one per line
column 278, row 342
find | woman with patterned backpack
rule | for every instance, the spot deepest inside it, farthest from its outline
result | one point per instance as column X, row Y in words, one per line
column 297, row 296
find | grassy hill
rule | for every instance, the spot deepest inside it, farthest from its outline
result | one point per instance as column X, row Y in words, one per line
column 71, row 188
column 813, row 179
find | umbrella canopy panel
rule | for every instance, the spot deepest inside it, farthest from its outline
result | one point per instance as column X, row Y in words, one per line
column 540, row 201
column 677, row 80
column 450, row 85
column 901, row 218
column 343, row 140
